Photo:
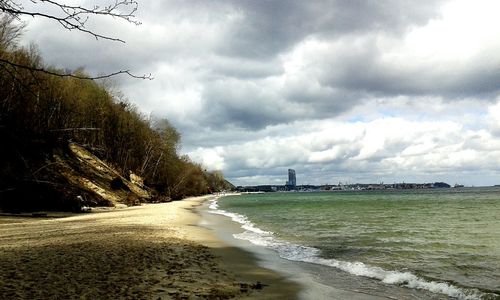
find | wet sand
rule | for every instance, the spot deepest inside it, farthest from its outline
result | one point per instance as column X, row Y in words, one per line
column 154, row 251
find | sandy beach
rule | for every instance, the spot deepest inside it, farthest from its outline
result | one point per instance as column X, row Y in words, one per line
column 154, row 251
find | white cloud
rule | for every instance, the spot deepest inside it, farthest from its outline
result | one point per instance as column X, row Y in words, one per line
column 382, row 146
column 465, row 30
column 212, row 158
column 493, row 118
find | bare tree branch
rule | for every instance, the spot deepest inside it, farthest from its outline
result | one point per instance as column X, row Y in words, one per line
column 76, row 17
column 9, row 34
column 71, row 17
column 43, row 70
column 78, row 129
column 13, row 75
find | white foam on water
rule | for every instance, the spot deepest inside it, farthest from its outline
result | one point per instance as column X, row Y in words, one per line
column 213, row 204
column 398, row 278
column 301, row 253
column 243, row 220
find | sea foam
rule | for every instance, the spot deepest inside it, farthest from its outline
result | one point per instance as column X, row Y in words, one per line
column 295, row 252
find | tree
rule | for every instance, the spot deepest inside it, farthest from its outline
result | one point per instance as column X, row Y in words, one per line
column 216, row 181
column 9, row 33
column 70, row 17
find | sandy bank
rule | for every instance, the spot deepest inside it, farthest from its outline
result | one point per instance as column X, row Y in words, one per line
column 149, row 252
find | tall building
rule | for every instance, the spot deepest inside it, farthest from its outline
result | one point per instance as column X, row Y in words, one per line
column 292, row 180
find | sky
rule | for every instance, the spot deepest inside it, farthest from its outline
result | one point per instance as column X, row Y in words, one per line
column 345, row 91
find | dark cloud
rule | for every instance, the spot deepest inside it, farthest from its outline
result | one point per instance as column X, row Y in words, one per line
column 253, row 83
column 248, row 105
column 267, row 28
column 359, row 16
column 364, row 69
column 220, row 68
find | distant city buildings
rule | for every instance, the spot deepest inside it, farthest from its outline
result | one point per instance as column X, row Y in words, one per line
column 291, row 184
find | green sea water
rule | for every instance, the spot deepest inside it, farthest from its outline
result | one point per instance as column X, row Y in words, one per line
column 444, row 240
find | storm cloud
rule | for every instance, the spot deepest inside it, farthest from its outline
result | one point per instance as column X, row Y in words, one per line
column 337, row 89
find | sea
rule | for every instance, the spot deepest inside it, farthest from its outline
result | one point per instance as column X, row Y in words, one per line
column 392, row 244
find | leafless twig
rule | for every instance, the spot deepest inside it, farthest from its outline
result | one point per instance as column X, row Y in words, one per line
column 70, row 17
column 43, row 70
column 76, row 17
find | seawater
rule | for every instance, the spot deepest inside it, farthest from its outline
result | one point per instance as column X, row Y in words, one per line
column 443, row 241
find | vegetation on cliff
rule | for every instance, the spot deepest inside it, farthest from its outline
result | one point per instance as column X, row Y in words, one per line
column 41, row 115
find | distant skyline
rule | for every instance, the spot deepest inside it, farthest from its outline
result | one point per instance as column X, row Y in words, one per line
column 339, row 90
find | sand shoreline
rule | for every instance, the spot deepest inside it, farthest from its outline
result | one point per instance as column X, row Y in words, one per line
column 155, row 251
